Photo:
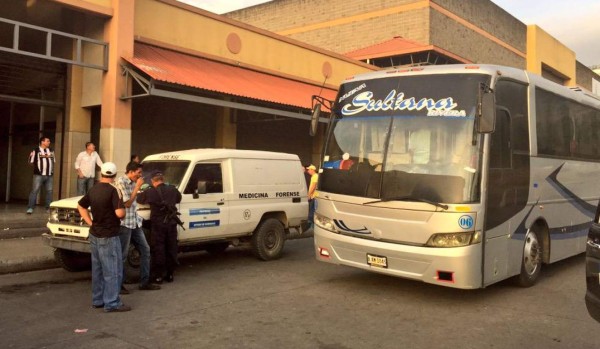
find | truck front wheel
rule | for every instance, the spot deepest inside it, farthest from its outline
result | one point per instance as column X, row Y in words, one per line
column 268, row 240
column 73, row 260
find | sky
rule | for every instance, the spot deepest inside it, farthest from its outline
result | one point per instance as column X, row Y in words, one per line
column 575, row 23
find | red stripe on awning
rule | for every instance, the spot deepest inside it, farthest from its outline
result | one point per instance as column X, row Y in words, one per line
column 183, row 69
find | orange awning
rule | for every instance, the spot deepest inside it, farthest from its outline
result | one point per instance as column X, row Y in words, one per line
column 182, row 69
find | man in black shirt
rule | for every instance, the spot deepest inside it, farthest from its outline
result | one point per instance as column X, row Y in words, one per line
column 107, row 263
column 162, row 199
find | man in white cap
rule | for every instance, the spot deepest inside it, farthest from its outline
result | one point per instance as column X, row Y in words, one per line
column 107, row 208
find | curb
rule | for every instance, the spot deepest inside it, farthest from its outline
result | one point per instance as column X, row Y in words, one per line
column 31, row 264
column 16, row 233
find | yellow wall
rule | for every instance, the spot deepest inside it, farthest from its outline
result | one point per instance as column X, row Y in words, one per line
column 545, row 49
column 204, row 33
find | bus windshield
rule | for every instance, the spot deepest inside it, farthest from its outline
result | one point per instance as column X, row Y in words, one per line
column 409, row 138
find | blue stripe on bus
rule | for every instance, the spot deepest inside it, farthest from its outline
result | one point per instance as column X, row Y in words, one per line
column 580, row 204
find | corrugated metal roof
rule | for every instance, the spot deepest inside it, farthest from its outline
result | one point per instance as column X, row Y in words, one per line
column 397, row 45
column 187, row 70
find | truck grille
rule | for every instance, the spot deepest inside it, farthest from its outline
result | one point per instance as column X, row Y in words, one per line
column 69, row 216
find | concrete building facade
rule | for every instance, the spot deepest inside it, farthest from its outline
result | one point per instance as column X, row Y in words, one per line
column 474, row 31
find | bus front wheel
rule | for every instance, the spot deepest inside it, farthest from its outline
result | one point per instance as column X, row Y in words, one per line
column 531, row 263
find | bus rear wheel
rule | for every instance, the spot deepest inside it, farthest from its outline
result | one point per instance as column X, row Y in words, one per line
column 531, row 263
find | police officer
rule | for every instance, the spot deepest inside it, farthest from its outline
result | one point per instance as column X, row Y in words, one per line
column 162, row 199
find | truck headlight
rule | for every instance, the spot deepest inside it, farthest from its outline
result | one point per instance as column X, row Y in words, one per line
column 325, row 223
column 454, row 239
column 53, row 215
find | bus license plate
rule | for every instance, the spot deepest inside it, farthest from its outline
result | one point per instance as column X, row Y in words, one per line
column 377, row 261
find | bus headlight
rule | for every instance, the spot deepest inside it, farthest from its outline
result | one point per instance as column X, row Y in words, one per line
column 454, row 239
column 53, row 215
column 324, row 223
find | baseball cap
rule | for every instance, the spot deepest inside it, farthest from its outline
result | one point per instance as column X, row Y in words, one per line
column 311, row 167
column 156, row 173
column 108, row 169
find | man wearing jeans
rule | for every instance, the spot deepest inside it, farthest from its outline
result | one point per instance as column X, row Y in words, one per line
column 107, row 262
column 85, row 165
column 131, row 226
column 42, row 160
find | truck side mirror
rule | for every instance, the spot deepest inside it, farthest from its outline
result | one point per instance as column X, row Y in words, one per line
column 200, row 189
column 487, row 113
column 314, row 120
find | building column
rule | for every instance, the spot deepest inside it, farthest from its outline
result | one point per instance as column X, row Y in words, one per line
column 226, row 130
column 115, row 125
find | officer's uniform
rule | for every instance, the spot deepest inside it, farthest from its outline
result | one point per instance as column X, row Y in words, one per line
column 164, row 231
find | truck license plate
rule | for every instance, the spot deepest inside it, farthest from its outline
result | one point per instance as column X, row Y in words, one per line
column 377, row 261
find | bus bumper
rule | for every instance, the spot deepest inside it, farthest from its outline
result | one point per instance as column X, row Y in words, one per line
column 458, row 267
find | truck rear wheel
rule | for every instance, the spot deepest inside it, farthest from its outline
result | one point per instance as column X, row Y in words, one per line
column 132, row 265
column 268, row 240
column 73, row 260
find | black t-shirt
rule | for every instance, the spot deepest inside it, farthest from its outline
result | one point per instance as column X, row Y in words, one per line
column 103, row 199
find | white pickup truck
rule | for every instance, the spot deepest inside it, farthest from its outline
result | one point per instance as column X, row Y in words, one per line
column 230, row 197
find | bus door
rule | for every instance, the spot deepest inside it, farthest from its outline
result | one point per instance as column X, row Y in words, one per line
column 508, row 180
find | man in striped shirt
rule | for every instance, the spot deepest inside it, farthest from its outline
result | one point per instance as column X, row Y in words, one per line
column 131, row 226
column 42, row 160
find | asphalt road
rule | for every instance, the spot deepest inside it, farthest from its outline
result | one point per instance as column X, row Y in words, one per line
column 236, row 301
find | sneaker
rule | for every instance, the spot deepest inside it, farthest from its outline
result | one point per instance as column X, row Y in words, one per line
column 29, row 210
column 157, row 281
column 124, row 290
column 94, row 306
column 120, row 309
column 169, row 277
column 149, row 287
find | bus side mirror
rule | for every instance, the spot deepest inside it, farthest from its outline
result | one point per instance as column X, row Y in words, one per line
column 314, row 120
column 487, row 113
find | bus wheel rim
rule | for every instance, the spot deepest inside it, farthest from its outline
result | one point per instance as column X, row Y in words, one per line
column 531, row 256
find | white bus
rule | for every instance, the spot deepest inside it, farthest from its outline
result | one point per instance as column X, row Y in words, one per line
column 457, row 175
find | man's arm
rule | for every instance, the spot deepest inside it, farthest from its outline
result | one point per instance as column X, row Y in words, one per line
column 142, row 198
column 78, row 165
column 85, row 214
column 98, row 160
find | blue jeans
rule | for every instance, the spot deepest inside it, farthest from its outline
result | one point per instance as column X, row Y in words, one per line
column 84, row 185
column 107, row 271
column 38, row 181
column 139, row 241
column 312, row 205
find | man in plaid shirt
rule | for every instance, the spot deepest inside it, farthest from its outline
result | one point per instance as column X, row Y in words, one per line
column 131, row 225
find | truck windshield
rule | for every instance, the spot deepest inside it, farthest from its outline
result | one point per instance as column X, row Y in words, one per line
column 408, row 138
column 172, row 170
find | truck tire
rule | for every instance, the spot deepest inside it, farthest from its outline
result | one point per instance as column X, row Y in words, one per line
column 131, row 267
column 73, row 260
column 268, row 240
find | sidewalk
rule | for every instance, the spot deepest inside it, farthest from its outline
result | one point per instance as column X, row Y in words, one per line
column 21, row 248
